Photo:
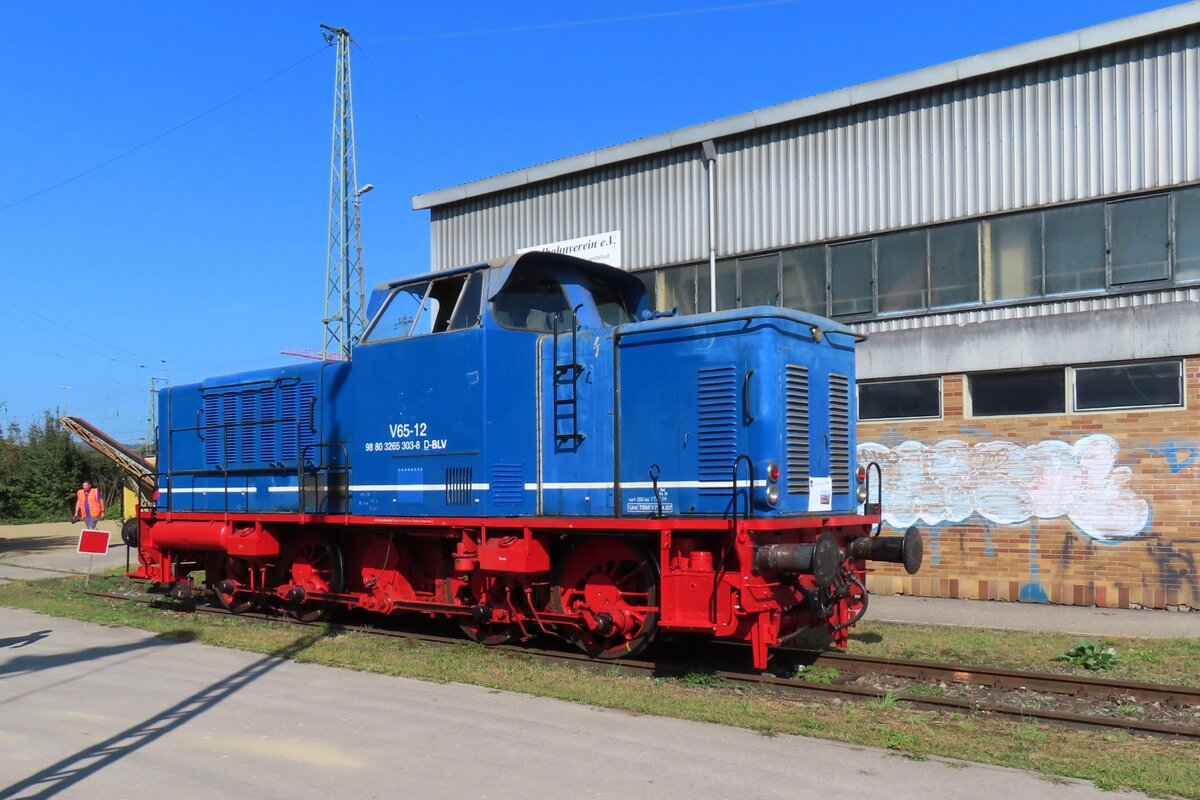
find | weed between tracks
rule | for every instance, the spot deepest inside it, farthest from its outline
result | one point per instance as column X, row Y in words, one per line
column 1111, row 760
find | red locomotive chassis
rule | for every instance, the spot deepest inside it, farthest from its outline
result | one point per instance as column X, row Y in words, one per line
column 611, row 586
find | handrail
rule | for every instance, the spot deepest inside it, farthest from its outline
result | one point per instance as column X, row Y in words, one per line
column 819, row 326
column 749, row 512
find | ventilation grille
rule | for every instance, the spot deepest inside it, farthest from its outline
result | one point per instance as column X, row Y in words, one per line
column 258, row 426
column 717, row 420
column 458, row 486
column 796, row 405
column 409, row 495
column 508, row 485
column 839, row 433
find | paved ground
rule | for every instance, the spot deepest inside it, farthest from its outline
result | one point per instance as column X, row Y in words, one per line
column 1085, row 621
column 47, row 550
column 88, row 711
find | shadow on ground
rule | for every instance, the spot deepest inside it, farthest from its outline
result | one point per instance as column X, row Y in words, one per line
column 77, row 767
column 36, row 544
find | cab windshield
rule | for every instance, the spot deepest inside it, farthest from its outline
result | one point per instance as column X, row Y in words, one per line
column 534, row 300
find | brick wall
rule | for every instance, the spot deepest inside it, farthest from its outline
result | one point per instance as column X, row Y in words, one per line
column 1096, row 508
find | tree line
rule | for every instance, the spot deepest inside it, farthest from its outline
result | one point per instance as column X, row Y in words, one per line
column 41, row 467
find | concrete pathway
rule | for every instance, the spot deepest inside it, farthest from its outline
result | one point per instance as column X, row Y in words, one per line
column 1081, row 620
column 47, row 550
column 89, row 711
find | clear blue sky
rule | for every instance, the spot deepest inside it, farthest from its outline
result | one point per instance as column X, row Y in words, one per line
column 203, row 252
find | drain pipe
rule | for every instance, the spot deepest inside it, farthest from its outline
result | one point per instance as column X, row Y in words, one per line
column 710, row 158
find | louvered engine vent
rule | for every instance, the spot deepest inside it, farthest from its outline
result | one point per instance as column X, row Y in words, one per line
column 796, row 408
column 258, row 425
column 839, row 433
column 458, row 486
column 717, row 421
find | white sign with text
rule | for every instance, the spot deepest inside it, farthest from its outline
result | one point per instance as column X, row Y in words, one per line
column 603, row 248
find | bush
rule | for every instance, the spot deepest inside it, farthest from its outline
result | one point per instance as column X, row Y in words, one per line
column 42, row 467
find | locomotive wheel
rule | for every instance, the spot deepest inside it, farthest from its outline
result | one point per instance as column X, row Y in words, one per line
column 313, row 563
column 616, row 582
column 238, row 572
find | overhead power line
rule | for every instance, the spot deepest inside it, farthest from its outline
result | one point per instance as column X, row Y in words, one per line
column 162, row 135
column 548, row 26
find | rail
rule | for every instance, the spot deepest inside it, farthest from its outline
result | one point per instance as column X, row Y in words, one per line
column 1078, row 686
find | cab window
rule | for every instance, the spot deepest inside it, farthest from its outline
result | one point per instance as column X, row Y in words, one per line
column 531, row 301
column 429, row 307
column 611, row 304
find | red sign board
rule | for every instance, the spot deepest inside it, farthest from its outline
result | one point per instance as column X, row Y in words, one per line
column 94, row 542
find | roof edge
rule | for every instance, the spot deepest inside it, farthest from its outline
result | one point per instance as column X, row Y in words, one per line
column 1063, row 44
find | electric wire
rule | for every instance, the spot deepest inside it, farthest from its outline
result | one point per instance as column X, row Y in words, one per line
column 164, row 134
column 586, row 22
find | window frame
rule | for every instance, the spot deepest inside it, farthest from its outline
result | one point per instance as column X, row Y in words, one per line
column 969, row 393
column 1181, row 377
column 941, row 397
column 874, row 290
column 1169, row 225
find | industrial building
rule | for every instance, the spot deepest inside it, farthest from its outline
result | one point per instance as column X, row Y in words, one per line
column 1018, row 234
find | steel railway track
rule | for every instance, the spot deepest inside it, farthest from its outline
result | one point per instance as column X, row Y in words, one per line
column 845, row 664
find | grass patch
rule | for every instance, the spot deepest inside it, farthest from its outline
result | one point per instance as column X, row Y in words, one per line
column 1109, row 759
column 1171, row 661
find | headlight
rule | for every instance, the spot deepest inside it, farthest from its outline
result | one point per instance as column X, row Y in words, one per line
column 773, row 495
column 861, row 494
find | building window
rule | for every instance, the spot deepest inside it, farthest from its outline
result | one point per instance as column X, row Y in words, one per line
column 1075, row 248
column 1187, row 235
column 804, row 279
column 726, row 284
column 903, row 267
column 1031, row 391
column 1012, row 257
column 954, row 264
column 759, row 276
column 850, row 277
column 909, row 399
column 1139, row 242
column 677, row 289
column 1084, row 248
column 1148, row 383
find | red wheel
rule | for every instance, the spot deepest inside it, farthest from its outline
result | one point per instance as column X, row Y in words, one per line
column 312, row 563
column 230, row 579
column 612, row 584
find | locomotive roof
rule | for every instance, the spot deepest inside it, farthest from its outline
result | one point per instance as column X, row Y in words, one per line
column 509, row 262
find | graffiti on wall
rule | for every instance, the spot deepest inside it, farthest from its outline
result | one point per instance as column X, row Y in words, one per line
column 1179, row 454
column 1009, row 483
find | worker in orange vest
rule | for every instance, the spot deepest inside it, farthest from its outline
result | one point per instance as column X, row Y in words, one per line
column 89, row 505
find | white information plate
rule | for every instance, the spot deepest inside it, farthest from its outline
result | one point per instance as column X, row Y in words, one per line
column 820, row 494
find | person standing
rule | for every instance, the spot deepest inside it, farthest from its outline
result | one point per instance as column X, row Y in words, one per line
column 89, row 505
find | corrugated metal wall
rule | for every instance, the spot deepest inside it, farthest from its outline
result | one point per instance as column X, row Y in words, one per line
column 1117, row 120
column 659, row 204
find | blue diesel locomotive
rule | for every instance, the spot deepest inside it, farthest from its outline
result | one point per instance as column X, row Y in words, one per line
column 526, row 448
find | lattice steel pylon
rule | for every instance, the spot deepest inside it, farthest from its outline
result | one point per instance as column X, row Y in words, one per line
column 343, row 264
